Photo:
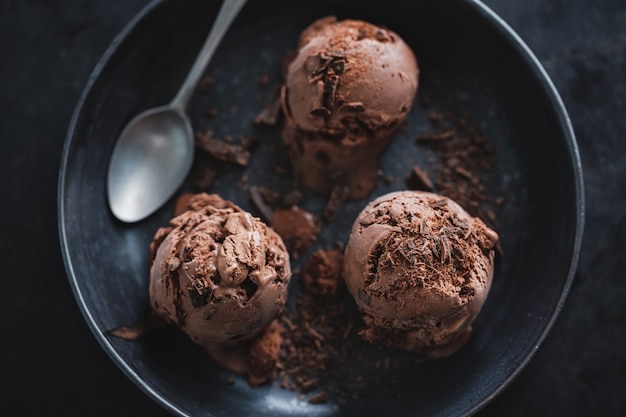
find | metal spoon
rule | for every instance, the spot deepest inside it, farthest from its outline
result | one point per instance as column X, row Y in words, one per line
column 154, row 153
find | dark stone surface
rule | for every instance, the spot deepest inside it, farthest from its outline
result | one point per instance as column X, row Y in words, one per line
column 50, row 364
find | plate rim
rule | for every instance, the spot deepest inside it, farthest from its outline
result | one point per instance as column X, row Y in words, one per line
column 489, row 17
column 565, row 123
column 67, row 256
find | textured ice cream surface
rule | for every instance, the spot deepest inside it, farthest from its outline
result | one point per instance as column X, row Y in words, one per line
column 347, row 90
column 420, row 269
column 218, row 273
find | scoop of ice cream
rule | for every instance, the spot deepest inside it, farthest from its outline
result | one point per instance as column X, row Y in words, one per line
column 347, row 90
column 420, row 268
column 218, row 273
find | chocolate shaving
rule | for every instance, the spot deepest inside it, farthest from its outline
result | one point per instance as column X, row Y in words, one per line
column 465, row 158
column 355, row 107
column 271, row 111
column 338, row 195
column 317, row 65
column 316, row 332
column 221, row 150
column 436, row 136
column 464, row 173
column 324, row 69
column 259, row 203
column 320, row 397
column 319, row 94
column 418, row 179
column 330, row 90
column 338, row 66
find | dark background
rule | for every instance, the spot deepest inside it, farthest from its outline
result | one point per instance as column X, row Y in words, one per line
column 50, row 364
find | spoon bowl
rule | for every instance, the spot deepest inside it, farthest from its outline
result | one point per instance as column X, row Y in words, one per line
column 154, row 153
column 152, row 158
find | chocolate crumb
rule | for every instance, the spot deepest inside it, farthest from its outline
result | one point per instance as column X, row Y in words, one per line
column 264, row 80
column 212, row 112
column 322, row 273
column 205, row 83
column 314, row 334
column 292, row 198
column 138, row 330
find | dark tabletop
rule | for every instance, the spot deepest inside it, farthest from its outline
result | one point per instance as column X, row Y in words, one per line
column 50, row 364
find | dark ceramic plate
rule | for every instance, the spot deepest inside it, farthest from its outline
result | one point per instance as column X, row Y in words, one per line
column 471, row 62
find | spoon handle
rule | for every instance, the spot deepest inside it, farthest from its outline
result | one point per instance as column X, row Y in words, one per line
column 227, row 13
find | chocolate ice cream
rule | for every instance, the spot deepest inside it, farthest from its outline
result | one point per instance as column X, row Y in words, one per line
column 347, row 90
column 218, row 273
column 420, row 268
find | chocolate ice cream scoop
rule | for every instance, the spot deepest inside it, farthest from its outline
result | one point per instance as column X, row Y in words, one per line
column 420, row 269
column 218, row 273
column 347, row 90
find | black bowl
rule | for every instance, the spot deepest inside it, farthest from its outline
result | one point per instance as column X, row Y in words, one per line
column 470, row 60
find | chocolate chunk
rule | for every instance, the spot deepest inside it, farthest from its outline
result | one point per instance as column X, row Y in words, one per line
column 221, row 150
column 418, row 179
column 297, row 227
